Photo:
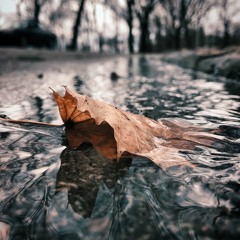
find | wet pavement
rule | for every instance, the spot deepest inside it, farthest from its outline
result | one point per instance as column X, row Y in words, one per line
column 49, row 191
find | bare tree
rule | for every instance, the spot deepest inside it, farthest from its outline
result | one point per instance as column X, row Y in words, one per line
column 178, row 11
column 183, row 14
column 126, row 13
column 76, row 27
column 37, row 10
column 198, row 13
column 130, row 8
column 143, row 10
column 173, row 10
column 228, row 10
column 33, row 8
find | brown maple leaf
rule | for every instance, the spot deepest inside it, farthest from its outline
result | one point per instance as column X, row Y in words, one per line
column 116, row 133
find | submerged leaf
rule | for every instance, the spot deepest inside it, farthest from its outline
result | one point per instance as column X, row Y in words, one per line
column 116, row 133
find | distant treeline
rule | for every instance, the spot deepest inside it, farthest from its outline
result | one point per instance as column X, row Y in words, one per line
column 196, row 38
column 153, row 25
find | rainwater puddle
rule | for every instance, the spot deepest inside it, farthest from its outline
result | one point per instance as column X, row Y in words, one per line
column 51, row 192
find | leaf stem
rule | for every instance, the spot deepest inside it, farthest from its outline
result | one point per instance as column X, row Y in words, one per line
column 30, row 121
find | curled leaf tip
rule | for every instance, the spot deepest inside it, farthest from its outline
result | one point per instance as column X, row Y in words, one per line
column 52, row 90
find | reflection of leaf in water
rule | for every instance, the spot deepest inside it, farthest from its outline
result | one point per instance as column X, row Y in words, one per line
column 146, row 203
column 82, row 171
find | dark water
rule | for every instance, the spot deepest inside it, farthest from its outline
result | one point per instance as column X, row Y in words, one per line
column 49, row 191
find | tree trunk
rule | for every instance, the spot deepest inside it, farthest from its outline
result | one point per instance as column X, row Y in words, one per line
column 177, row 38
column 226, row 35
column 187, row 40
column 130, row 4
column 182, row 22
column 76, row 27
column 37, row 9
column 116, row 47
column 144, row 45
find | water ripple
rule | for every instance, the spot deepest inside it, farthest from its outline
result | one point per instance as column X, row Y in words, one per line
column 48, row 191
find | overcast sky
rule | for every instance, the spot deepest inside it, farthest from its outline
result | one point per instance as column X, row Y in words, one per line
column 7, row 6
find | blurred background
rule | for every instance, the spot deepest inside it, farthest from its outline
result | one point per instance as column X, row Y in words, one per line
column 114, row 26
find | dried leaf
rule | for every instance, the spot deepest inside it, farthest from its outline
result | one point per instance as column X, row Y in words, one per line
column 116, row 133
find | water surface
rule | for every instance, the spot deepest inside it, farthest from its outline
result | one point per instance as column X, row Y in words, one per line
column 49, row 191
